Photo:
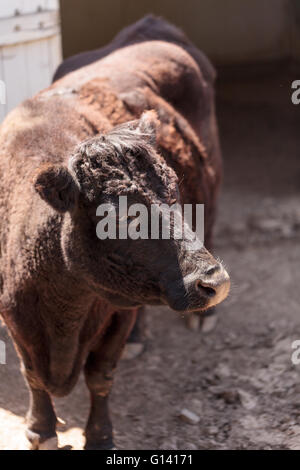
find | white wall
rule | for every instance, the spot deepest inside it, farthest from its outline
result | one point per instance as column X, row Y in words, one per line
column 30, row 48
column 8, row 8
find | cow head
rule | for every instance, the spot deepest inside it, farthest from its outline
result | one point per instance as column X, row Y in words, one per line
column 128, row 272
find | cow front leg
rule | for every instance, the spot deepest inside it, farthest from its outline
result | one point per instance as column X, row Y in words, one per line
column 99, row 372
column 135, row 344
column 41, row 421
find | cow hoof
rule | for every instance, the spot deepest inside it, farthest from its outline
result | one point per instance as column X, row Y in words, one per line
column 205, row 323
column 208, row 324
column 49, row 444
column 132, row 351
column 38, row 443
column 193, row 321
column 100, row 446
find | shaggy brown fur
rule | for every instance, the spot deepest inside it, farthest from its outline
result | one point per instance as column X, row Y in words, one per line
column 68, row 299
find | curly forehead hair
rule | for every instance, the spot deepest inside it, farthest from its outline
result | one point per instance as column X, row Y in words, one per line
column 123, row 162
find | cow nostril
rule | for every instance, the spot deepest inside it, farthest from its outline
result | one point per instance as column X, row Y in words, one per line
column 212, row 270
column 208, row 291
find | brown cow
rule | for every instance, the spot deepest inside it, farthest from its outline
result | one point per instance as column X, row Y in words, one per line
column 68, row 298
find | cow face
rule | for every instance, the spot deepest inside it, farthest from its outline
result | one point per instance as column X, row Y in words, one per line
column 127, row 270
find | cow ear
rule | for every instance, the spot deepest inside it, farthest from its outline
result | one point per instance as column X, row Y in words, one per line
column 148, row 124
column 56, row 186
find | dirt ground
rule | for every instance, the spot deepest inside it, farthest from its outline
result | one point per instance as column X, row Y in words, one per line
column 239, row 379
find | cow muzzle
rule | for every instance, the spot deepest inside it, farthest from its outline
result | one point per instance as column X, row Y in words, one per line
column 199, row 290
column 212, row 286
